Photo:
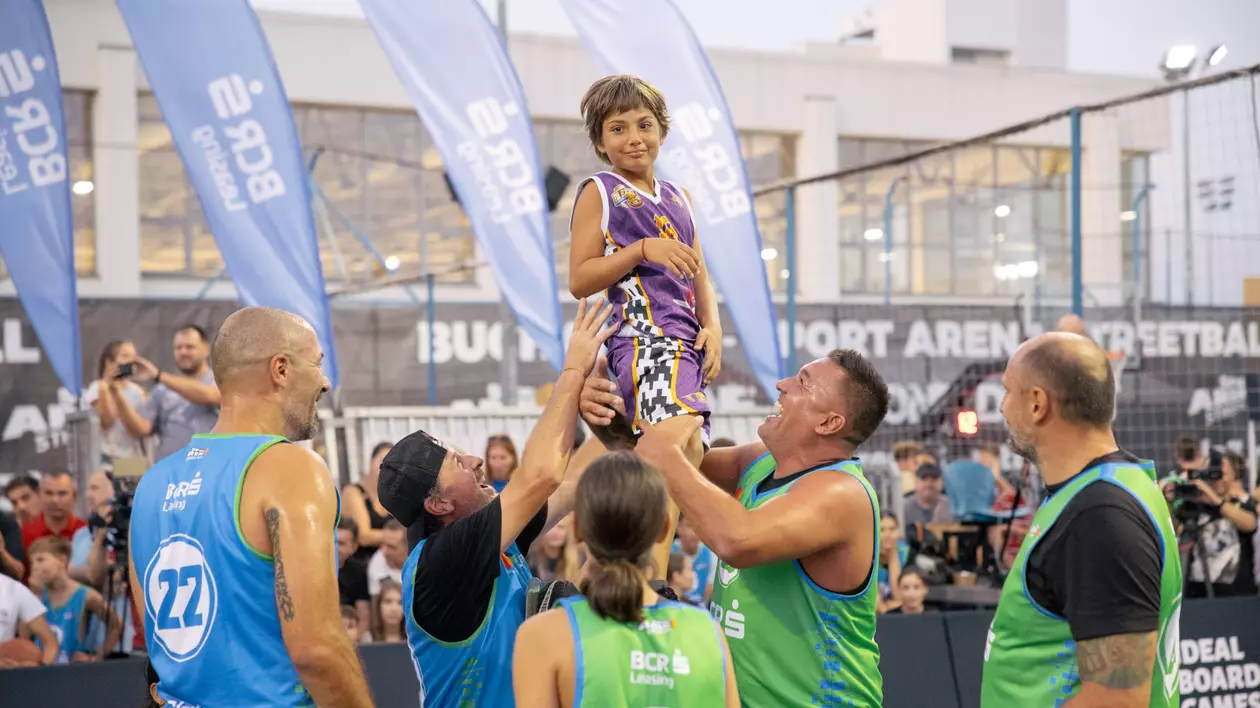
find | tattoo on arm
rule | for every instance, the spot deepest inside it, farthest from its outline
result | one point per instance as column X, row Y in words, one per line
column 284, row 601
column 1121, row 661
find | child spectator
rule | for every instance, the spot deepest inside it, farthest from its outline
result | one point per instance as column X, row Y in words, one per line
column 703, row 565
column 387, row 614
column 894, row 550
column 681, row 576
column 70, row 604
column 350, row 621
column 501, row 460
column 913, row 589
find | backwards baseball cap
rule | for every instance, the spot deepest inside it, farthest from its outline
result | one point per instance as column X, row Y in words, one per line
column 409, row 473
column 927, row 469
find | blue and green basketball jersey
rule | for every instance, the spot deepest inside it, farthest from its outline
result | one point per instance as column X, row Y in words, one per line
column 211, row 623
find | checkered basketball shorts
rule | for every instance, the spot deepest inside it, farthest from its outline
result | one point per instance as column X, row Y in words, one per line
column 659, row 378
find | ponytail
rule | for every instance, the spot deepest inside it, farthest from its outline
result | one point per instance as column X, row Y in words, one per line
column 614, row 589
column 619, row 511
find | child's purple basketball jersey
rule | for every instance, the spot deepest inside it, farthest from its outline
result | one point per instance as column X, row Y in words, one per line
column 652, row 355
column 649, row 300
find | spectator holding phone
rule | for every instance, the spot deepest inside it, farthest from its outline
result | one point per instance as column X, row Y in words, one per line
column 180, row 404
column 113, row 383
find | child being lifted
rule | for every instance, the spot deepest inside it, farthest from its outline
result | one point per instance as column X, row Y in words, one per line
column 635, row 236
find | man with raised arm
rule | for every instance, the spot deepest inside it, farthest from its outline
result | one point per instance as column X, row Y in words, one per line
column 465, row 580
column 795, row 525
column 233, row 553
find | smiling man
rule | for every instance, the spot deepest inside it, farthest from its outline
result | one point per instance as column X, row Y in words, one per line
column 231, row 556
column 465, row 579
column 796, row 526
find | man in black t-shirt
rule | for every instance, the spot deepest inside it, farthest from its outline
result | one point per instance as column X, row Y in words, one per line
column 465, row 579
column 1098, row 566
column 352, row 582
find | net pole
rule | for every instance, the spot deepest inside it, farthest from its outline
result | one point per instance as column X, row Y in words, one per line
column 1138, row 202
column 1186, row 217
column 431, row 316
column 1074, row 115
column 888, row 241
column 789, row 239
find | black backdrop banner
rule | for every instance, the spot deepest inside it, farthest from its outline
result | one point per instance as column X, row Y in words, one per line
column 1190, row 379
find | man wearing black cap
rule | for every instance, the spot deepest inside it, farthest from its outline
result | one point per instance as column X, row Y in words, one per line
column 464, row 582
column 927, row 503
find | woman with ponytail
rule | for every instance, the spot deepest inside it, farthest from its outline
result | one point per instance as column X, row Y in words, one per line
column 620, row 643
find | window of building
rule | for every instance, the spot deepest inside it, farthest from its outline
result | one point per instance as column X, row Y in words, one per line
column 958, row 217
column 77, row 106
column 379, row 194
column 982, row 57
column 770, row 157
column 378, row 176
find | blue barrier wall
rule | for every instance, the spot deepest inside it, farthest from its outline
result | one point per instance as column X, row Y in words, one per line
column 930, row 660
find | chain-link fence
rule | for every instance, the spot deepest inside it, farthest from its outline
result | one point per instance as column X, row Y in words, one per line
column 1001, row 214
column 1086, row 211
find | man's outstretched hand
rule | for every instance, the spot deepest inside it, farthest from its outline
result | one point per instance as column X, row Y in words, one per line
column 601, row 401
column 660, row 445
column 589, row 334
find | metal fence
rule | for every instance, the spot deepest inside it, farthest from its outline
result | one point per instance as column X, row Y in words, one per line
column 348, row 439
column 1089, row 204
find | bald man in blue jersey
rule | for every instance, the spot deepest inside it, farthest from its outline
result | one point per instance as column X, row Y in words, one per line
column 233, row 551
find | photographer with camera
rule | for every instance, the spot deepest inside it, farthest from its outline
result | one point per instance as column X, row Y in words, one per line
column 1187, row 456
column 88, row 546
column 1217, row 522
column 114, row 384
column 103, row 563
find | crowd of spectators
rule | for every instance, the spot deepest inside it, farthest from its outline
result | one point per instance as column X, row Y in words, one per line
column 924, row 543
column 61, row 584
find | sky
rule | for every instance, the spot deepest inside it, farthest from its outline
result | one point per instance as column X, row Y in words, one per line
column 1104, row 36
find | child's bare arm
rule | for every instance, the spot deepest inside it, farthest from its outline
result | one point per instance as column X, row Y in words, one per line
column 590, row 271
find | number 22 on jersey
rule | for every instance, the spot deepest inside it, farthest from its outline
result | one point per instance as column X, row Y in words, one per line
column 180, row 596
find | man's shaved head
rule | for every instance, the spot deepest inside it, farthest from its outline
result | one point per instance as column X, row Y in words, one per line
column 1054, row 379
column 266, row 356
column 251, row 337
column 1075, row 373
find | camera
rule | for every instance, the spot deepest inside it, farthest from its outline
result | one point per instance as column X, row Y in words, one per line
column 125, row 370
column 118, row 518
column 1188, row 504
column 124, row 478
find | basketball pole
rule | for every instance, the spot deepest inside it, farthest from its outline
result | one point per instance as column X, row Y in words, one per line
column 509, row 365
